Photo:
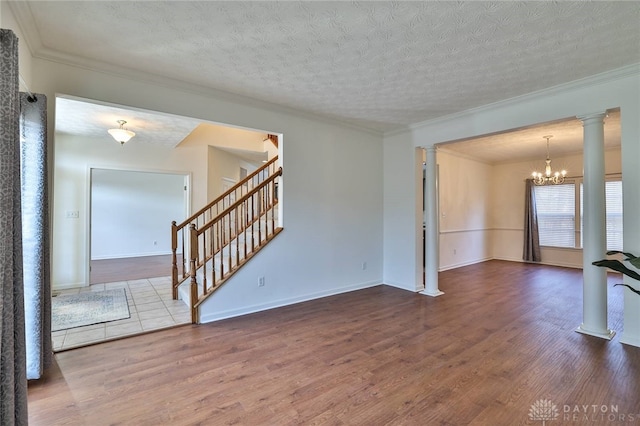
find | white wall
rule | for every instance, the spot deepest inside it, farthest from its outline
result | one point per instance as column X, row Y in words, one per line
column 74, row 157
column 332, row 204
column 402, row 213
column 620, row 88
column 131, row 212
column 332, row 188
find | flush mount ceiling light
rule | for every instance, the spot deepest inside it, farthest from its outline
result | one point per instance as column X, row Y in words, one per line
column 121, row 134
column 548, row 177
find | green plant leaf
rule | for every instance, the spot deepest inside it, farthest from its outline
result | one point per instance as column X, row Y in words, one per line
column 616, row 265
column 611, row 252
column 629, row 287
column 635, row 262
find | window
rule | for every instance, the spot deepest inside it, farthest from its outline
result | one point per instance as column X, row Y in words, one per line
column 556, row 215
column 556, row 206
column 613, row 194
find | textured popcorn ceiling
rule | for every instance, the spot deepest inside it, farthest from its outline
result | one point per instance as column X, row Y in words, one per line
column 91, row 120
column 380, row 65
column 529, row 143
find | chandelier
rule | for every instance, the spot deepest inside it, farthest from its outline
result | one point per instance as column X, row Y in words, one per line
column 121, row 134
column 548, row 177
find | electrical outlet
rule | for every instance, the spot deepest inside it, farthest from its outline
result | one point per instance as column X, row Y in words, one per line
column 73, row 214
column 364, row 265
column 261, row 282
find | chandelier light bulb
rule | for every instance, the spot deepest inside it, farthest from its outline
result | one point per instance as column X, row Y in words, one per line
column 549, row 177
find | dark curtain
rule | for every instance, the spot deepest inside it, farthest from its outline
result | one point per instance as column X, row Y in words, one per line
column 531, row 252
column 13, row 379
column 35, row 233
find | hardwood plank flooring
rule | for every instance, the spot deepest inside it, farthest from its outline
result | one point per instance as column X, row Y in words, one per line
column 500, row 339
column 130, row 268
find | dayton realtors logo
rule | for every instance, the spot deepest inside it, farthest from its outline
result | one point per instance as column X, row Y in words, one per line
column 545, row 410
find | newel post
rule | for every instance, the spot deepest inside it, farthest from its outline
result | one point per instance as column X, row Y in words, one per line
column 192, row 270
column 174, row 260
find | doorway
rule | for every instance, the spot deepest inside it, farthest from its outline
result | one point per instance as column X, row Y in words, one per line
column 128, row 219
column 130, row 256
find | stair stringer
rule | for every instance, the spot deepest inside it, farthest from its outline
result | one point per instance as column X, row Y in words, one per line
column 184, row 290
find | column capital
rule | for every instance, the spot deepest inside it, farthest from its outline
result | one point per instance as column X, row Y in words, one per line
column 431, row 148
column 592, row 116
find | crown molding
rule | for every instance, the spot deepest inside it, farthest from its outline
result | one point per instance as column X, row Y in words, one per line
column 605, row 77
column 24, row 19
column 193, row 88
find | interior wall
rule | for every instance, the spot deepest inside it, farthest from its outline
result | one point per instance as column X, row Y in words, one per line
column 74, row 157
column 619, row 88
column 131, row 212
column 270, row 149
column 403, row 213
column 221, row 165
column 331, row 200
column 464, row 210
column 507, row 208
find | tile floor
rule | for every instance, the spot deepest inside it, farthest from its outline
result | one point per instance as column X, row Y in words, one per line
column 150, row 305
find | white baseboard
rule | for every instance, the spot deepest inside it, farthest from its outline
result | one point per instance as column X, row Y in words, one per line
column 460, row 265
column 284, row 302
column 396, row 284
column 561, row 264
column 67, row 286
column 626, row 339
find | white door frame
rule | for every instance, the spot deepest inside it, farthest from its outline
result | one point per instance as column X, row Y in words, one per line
column 187, row 202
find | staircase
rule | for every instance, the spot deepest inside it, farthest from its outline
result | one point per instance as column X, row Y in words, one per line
column 216, row 241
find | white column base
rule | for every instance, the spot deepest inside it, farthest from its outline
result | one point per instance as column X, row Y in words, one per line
column 629, row 340
column 608, row 335
column 432, row 294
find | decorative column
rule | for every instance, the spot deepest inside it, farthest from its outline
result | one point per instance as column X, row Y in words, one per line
column 594, row 290
column 431, row 246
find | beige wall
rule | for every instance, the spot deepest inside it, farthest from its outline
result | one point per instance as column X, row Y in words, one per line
column 508, row 207
column 481, row 210
column 464, row 210
column 222, row 164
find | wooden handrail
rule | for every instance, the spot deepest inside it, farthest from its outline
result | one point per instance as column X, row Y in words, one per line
column 180, row 233
column 242, row 199
column 211, row 246
column 232, row 189
column 215, row 252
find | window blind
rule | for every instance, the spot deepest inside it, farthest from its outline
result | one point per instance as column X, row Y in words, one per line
column 613, row 200
column 556, row 215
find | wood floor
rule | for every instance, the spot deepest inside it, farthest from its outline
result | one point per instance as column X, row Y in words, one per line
column 500, row 340
column 130, row 268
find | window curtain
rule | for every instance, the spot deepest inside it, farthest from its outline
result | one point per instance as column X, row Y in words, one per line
column 35, row 233
column 531, row 252
column 13, row 378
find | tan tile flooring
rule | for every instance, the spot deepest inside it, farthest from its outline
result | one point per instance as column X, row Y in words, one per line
column 150, row 305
